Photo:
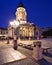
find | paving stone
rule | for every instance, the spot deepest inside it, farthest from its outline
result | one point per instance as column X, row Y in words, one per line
column 8, row 54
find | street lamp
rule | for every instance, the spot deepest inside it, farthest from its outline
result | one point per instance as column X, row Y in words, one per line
column 14, row 24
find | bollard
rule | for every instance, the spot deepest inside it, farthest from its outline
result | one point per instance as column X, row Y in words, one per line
column 7, row 40
column 37, row 50
column 15, row 43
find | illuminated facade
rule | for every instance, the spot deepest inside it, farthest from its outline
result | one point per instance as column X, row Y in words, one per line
column 3, row 32
column 21, row 14
column 25, row 29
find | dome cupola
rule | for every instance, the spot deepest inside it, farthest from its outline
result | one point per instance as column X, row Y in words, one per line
column 21, row 5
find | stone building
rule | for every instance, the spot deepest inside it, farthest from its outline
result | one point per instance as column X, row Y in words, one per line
column 3, row 32
column 25, row 30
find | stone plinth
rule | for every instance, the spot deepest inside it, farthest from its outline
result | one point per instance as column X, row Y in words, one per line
column 37, row 50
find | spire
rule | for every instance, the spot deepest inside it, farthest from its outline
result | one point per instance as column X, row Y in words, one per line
column 21, row 4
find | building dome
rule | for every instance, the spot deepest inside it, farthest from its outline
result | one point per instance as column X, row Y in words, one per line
column 20, row 5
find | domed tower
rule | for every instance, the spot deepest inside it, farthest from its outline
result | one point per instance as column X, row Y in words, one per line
column 21, row 12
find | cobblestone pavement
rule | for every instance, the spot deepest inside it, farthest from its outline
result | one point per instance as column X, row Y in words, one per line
column 8, row 54
column 46, row 57
column 28, row 60
column 23, row 62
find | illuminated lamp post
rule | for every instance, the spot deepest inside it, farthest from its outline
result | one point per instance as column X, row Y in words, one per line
column 14, row 24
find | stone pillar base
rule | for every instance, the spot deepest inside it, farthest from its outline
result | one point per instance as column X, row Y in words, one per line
column 37, row 53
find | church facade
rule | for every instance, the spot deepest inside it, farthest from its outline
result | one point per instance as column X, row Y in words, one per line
column 25, row 30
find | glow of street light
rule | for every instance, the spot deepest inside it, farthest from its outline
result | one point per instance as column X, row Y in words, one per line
column 14, row 23
column 11, row 23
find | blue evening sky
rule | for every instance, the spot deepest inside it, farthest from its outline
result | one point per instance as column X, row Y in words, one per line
column 39, row 12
